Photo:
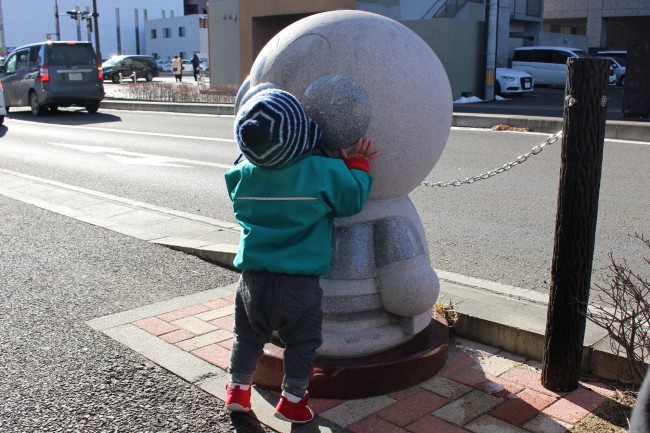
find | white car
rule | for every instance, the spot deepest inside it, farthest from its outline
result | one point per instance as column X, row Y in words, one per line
column 618, row 64
column 512, row 81
column 3, row 109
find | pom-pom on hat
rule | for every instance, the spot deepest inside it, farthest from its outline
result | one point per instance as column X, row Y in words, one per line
column 272, row 128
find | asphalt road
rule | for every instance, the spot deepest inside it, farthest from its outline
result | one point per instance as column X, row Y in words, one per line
column 498, row 230
column 543, row 101
column 59, row 375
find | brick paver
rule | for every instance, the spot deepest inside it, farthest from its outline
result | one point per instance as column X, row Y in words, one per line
column 430, row 424
column 155, row 326
column 185, row 312
column 480, row 389
column 408, row 410
column 576, row 405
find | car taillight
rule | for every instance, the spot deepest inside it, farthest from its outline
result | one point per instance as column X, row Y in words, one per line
column 45, row 73
column 100, row 73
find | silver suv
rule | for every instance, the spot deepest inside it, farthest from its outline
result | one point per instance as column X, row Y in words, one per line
column 50, row 75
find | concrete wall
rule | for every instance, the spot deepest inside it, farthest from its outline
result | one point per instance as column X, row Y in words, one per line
column 235, row 43
column 597, row 13
column 224, row 45
column 459, row 46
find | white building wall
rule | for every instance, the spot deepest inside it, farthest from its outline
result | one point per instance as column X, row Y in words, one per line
column 194, row 41
column 28, row 21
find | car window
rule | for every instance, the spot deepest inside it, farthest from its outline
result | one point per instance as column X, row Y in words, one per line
column 75, row 54
column 18, row 61
column 35, row 56
column 560, row 57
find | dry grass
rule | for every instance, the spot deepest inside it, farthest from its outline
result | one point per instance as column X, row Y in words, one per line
column 176, row 92
column 503, row 127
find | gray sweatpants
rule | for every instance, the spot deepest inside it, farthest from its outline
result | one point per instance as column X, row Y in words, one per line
column 268, row 302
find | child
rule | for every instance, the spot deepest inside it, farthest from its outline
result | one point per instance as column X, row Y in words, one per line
column 285, row 198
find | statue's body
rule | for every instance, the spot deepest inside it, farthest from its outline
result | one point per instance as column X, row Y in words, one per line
column 360, row 74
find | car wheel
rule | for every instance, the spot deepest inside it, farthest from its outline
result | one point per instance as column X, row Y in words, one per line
column 149, row 76
column 115, row 78
column 622, row 82
column 92, row 107
column 2, row 120
column 37, row 110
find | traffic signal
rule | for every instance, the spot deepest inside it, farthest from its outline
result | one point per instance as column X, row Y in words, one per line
column 73, row 14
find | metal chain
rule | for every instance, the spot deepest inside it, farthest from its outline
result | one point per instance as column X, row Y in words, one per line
column 505, row 167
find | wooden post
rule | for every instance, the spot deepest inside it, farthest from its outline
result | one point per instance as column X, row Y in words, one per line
column 575, row 230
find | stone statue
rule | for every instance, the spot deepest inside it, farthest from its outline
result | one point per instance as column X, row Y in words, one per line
column 361, row 74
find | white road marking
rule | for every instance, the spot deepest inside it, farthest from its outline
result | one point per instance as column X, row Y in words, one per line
column 126, row 157
column 120, row 131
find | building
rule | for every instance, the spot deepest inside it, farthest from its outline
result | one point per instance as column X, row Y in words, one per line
column 121, row 22
column 177, row 36
column 605, row 23
column 456, row 30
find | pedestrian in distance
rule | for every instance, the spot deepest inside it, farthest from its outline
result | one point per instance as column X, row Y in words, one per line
column 177, row 69
column 285, row 197
column 196, row 66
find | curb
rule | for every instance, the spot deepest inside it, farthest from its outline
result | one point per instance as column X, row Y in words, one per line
column 615, row 129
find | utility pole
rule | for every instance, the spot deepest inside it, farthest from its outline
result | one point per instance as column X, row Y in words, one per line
column 491, row 26
column 56, row 20
column 98, row 51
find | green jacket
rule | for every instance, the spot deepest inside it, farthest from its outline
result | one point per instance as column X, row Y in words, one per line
column 287, row 213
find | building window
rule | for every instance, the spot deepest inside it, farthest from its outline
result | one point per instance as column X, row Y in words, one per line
column 154, row 34
column 203, row 22
column 155, row 56
column 167, row 32
column 181, row 32
column 182, row 54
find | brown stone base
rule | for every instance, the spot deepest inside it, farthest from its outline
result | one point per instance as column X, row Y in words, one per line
column 389, row 371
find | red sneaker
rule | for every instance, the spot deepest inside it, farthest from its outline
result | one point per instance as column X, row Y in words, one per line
column 237, row 399
column 294, row 412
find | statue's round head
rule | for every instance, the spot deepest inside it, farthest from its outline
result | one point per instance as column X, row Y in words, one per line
column 361, row 74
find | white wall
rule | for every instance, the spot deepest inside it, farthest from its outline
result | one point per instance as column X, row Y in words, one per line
column 28, row 21
column 194, row 41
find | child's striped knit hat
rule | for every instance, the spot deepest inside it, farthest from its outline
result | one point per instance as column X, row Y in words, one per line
column 272, row 128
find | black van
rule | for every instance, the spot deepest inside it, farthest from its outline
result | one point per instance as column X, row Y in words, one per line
column 49, row 75
column 130, row 66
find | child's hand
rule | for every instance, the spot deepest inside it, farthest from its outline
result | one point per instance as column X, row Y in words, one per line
column 363, row 149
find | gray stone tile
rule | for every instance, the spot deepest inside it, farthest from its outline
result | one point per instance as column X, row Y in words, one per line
column 446, row 387
column 546, row 424
column 488, row 424
column 355, row 410
column 467, row 408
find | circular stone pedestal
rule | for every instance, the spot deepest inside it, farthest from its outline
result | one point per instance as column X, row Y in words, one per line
column 346, row 378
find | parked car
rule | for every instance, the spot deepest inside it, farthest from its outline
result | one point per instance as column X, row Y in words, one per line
column 48, row 75
column 187, row 66
column 618, row 65
column 164, row 65
column 547, row 65
column 512, row 81
column 621, row 54
column 3, row 110
column 130, row 66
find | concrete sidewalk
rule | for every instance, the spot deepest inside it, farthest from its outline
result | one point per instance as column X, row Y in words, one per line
column 490, row 382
